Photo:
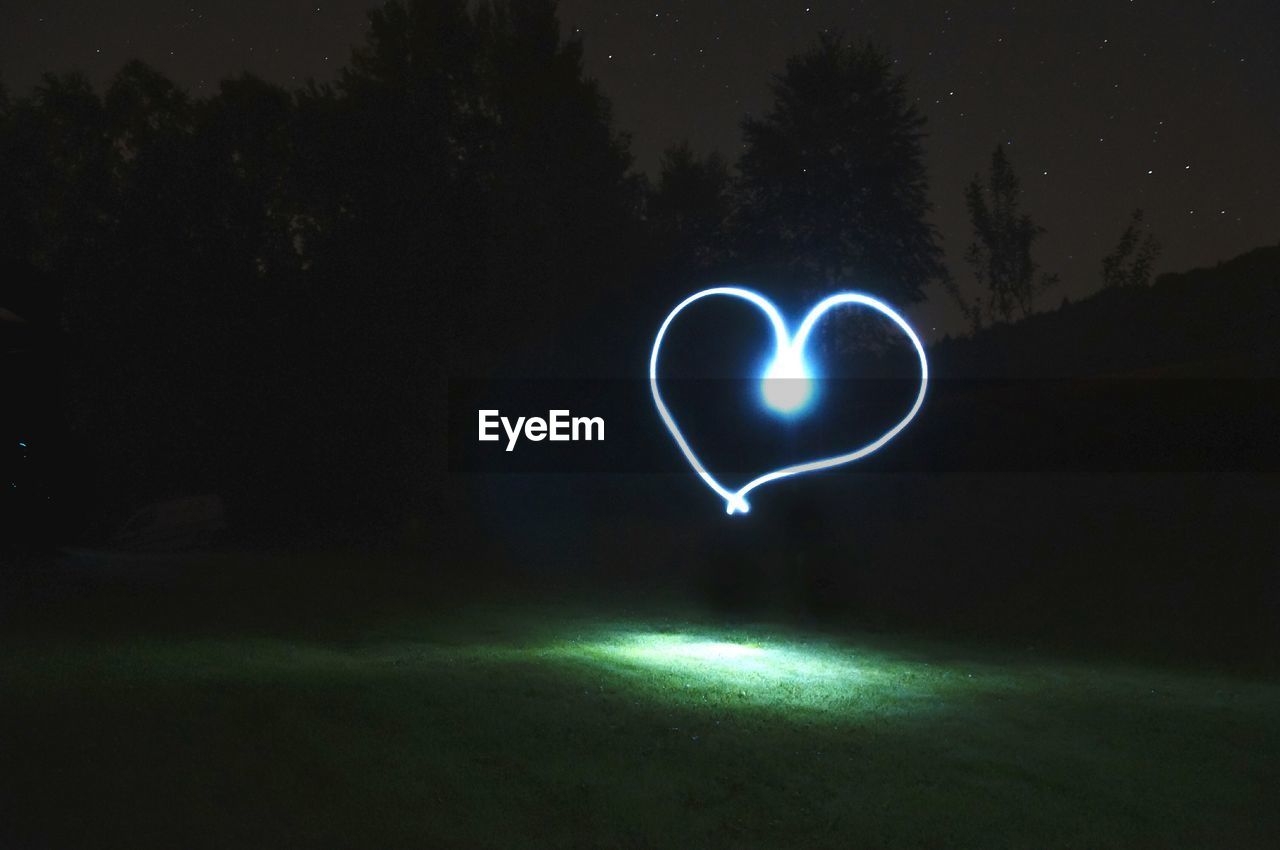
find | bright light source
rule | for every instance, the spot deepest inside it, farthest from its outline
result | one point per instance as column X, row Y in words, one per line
column 787, row 384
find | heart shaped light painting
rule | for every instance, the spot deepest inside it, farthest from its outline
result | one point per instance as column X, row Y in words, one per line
column 786, row 384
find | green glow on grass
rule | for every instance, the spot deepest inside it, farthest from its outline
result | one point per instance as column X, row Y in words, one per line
column 696, row 653
column 762, row 668
column 710, row 650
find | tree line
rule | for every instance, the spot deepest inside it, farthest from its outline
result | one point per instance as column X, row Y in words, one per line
column 267, row 284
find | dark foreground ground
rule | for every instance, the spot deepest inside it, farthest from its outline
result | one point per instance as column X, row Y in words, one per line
column 300, row 702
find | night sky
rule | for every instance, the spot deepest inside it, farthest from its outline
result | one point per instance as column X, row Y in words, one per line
column 1105, row 106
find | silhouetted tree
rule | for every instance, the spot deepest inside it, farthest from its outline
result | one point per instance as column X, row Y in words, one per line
column 57, row 161
column 20, row 291
column 1132, row 260
column 264, row 286
column 1000, row 253
column 560, row 205
column 688, row 213
column 833, row 182
column 473, row 170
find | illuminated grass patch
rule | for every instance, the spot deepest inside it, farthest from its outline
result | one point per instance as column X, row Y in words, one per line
column 523, row 727
column 712, row 659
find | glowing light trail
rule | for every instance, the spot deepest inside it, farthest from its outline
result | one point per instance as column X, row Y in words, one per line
column 786, row 384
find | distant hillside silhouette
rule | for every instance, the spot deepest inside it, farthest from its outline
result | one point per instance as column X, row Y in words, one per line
column 1209, row 322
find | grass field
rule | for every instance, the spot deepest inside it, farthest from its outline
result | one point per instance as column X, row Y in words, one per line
column 201, row 716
